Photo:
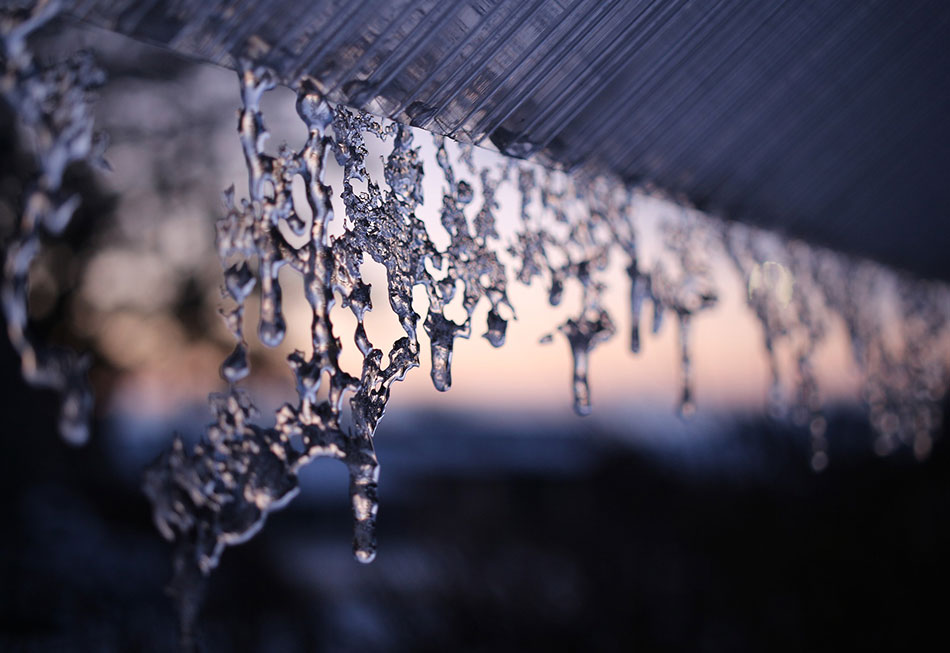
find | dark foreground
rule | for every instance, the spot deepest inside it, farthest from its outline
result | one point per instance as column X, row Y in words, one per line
column 491, row 544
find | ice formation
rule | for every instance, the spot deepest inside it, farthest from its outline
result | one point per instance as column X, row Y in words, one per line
column 220, row 491
column 53, row 105
column 904, row 358
column 899, row 330
column 789, row 304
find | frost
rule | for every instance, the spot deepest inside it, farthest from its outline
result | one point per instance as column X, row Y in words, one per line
column 53, row 107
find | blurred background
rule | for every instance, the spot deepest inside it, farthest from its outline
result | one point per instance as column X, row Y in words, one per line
column 506, row 522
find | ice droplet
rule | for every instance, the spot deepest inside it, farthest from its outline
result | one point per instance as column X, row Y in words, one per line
column 442, row 334
column 497, row 326
column 235, row 366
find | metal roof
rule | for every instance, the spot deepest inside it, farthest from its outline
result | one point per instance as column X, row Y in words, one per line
column 825, row 119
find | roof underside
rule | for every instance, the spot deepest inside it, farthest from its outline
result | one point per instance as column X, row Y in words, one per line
column 825, row 120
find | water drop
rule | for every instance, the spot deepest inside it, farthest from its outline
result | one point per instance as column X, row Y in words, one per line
column 235, row 367
column 497, row 326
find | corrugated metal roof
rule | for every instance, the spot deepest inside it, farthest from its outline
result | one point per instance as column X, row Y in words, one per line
column 828, row 120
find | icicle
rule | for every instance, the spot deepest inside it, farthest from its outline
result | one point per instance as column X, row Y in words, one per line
column 220, row 492
column 53, row 105
column 497, row 326
column 686, row 407
column 582, row 336
column 442, row 334
column 686, row 292
column 639, row 292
